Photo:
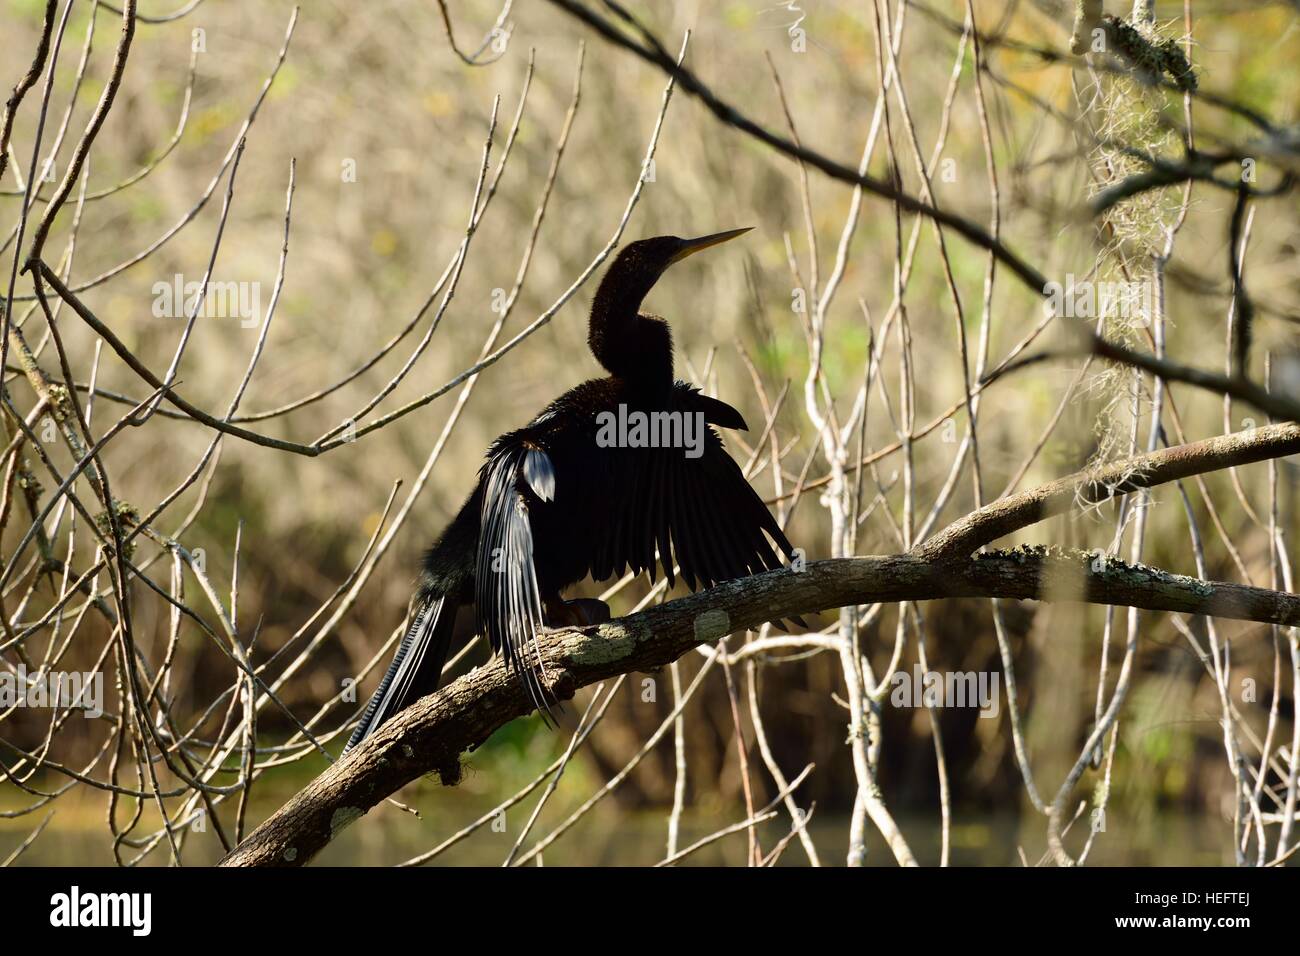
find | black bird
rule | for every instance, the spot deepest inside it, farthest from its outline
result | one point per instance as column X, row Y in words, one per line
column 570, row 495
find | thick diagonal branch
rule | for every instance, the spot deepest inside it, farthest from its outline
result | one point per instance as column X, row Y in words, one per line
column 432, row 734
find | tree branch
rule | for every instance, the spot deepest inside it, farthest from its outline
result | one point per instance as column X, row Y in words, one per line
column 654, row 53
column 1006, row 515
column 433, row 733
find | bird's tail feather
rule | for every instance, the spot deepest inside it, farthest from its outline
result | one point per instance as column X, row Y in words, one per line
column 416, row 668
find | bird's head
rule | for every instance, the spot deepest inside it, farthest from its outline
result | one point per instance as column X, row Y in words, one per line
column 627, row 343
column 639, row 266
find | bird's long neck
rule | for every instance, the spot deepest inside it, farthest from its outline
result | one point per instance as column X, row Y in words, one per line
column 631, row 346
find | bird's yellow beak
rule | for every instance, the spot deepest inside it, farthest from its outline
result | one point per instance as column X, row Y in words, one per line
column 692, row 246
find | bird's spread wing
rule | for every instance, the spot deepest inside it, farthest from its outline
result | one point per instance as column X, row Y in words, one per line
column 416, row 668
column 691, row 505
column 611, row 509
column 507, row 599
column 715, row 411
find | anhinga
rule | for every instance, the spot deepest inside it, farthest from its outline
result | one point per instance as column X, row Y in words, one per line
column 557, row 501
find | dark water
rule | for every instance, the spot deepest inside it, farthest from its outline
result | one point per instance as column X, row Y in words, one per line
column 612, row 836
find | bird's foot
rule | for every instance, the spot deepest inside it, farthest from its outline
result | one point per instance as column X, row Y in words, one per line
column 580, row 612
